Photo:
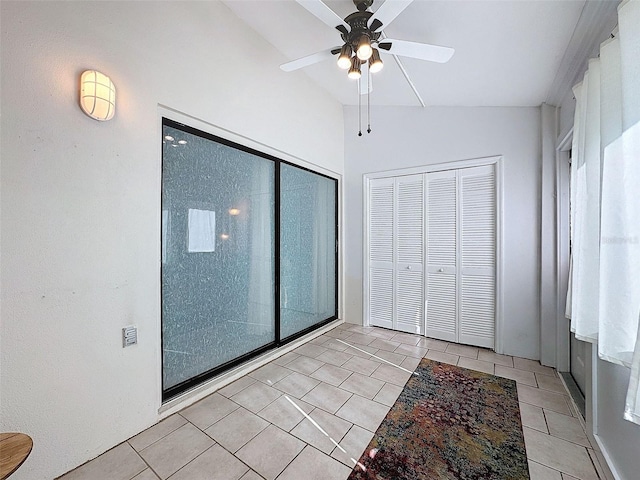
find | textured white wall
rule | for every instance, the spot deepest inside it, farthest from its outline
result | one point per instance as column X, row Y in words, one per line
column 80, row 199
column 405, row 137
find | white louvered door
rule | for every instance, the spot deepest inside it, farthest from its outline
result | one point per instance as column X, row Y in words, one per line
column 478, row 256
column 442, row 254
column 409, row 251
column 396, row 249
column 461, row 255
column 381, row 293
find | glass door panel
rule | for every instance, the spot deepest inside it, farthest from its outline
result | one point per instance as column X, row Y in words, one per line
column 308, row 261
column 218, row 262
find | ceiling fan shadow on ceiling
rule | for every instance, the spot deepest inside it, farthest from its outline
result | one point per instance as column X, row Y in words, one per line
column 363, row 40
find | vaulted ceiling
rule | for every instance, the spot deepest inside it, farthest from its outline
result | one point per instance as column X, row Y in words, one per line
column 507, row 53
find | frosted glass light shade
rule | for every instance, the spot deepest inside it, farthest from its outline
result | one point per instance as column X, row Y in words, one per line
column 97, row 95
column 364, row 49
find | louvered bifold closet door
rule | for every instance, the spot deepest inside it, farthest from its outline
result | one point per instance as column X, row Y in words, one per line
column 409, row 234
column 478, row 255
column 441, row 317
column 381, row 252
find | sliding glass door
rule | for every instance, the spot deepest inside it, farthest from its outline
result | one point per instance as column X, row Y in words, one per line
column 223, row 208
column 307, row 249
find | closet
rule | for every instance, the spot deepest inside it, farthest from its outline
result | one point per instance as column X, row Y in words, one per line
column 431, row 264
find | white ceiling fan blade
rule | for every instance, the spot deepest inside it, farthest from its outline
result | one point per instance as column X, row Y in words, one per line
column 423, row 51
column 320, row 10
column 309, row 60
column 388, row 11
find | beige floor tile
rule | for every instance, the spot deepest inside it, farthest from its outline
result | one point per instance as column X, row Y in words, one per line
column 352, row 445
column 146, row 475
column 547, row 382
column 442, row 357
column 386, row 345
column 270, row 452
column 406, row 338
column 360, row 339
column 174, row 451
column 600, row 463
column 543, row 398
column 533, row 417
column 394, row 358
column 520, row 376
column 532, row 366
column 286, row 358
column 257, row 396
column 363, row 412
column 310, row 350
column 388, row 394
column 333, row 344
column 318, row 340
column 463, row 350
column 337, row 333
column 251, row 475
column 542, row 472
column 239, row 385
column 214, row 464
column 284, row 412
column 364, row 351
column 361, row 365
column 411, row 363
column 566, row 427
column 158, row 431
column 411, row 350
column 333, row 357
column 568, row 477
column 209, row 410
column 119, row 463
column 364, row 386
column 297, row 384
column 334, row 427
column 391, row 374
column 433, row 344
column 314, row 465
column 236, row 429
column 559, row 454
column 489, row 356
column 304, row 364
column 382, row 333
column 331, row 374
column 327, row 397
column 270, row 373
column 478, row 365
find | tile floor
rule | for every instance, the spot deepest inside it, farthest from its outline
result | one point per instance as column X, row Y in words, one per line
column 309, row 413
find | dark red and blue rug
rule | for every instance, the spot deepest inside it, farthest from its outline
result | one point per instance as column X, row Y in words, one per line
column 449, row 423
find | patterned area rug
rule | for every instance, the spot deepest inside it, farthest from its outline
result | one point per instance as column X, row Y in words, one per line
column 449, row 423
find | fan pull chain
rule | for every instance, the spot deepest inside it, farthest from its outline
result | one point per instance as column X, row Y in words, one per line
column 359, row 109
column 368, row 103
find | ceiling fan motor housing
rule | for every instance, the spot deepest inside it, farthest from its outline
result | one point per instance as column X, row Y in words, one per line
column 358, row 21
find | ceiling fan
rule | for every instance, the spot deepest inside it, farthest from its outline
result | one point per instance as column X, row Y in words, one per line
column 361, row 33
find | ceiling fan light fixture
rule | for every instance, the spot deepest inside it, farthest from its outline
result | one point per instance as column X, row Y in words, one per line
column 354, row 71
column 364, row 50
column 375, row 62
column 344, row 59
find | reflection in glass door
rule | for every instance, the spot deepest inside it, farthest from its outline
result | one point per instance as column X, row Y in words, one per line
column 217, row 256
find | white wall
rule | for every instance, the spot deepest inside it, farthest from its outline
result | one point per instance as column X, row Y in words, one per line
column 80, row 199
column 413, row 136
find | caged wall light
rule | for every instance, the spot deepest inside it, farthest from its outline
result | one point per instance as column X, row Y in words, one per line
column 97, row 95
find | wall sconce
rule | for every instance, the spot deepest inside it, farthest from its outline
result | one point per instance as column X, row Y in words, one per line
column 97, row 95
column 234, row 211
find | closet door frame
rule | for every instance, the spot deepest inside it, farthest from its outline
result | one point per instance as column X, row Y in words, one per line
column 497, row 161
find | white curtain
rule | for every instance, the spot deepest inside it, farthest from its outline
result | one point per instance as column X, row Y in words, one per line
column 604, row 300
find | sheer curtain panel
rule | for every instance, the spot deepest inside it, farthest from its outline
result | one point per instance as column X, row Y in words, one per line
column 604, row 299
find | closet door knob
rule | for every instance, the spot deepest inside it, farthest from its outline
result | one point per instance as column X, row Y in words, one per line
column 441, row 269
column 408, row 267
